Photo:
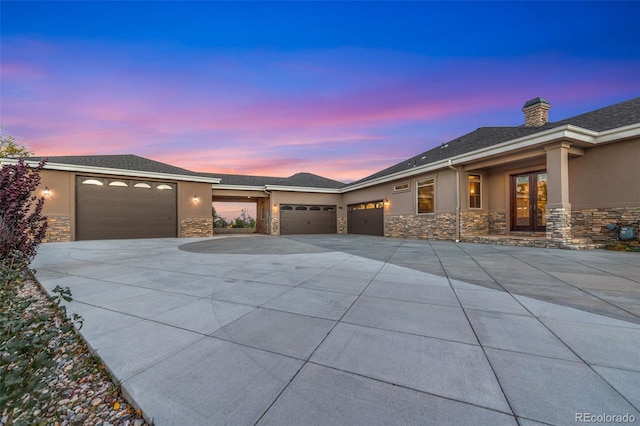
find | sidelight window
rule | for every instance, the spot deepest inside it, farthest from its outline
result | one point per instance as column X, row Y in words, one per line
column 426, row 196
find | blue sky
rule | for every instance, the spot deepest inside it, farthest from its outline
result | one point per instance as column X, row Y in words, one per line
column 340, row 89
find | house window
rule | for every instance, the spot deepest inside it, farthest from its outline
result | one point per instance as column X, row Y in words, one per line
column 426, row 196
column 402, row 187
column 475, row 191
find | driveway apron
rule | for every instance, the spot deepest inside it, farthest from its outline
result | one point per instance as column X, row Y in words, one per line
column 333, row 330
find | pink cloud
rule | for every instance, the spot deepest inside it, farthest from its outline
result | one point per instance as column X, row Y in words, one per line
column 343, row 114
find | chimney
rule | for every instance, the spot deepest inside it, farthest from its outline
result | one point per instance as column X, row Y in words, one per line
column 536, row 112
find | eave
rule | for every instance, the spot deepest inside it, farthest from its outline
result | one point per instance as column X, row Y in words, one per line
column 584, row 137
column 113, row 171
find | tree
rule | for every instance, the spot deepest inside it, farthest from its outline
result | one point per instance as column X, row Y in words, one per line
column 218, row 221
column 244, row 220
column 10, row 148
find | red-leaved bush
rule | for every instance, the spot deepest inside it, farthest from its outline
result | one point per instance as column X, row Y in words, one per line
column 22, row 226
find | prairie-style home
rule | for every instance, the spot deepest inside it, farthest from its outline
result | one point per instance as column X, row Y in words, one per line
column 573, row 183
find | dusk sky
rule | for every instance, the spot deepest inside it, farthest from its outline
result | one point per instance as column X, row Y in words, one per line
column 340, row 89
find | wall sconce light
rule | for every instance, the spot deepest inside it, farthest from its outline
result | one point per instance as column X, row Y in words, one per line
column 386, row 202
column 195, row 199
column 46, row 191
column 275, row 206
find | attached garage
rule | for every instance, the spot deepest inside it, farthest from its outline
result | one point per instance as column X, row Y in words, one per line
column 366, row 218
column 308, row 219
column 125, row 208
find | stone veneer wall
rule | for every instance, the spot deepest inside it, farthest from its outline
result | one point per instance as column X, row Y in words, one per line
column 497, row 223
column 558, row 229
column 592, row 223
column 275, row 225
column 58, row 229
column 474, row 223
column 193, row 227
column 440, row 226
column 342, row 225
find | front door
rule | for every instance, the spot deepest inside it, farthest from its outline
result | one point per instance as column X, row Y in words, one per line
column 528, row 201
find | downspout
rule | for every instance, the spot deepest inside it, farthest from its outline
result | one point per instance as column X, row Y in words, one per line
column 269, row 212
column 457, row 200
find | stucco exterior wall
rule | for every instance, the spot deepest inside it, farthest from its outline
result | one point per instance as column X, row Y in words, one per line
column 59, row 205
column 496, row 187
column 194, row 216
column 401, row 217
column 606, row 176
column 604, row 188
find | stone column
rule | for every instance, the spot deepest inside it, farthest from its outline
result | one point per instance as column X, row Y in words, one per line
column 558, row 214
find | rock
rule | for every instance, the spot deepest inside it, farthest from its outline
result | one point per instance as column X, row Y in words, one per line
column 96, row 401
column 64, row 401
column 138, row 422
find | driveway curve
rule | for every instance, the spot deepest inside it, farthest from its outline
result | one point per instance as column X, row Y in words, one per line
column 356, row 330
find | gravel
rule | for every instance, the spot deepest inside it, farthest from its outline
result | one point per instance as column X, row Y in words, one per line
column 81, row 392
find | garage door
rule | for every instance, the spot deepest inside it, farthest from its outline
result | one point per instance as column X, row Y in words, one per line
column 366, row 218
column 297, row 219
column 120, row 208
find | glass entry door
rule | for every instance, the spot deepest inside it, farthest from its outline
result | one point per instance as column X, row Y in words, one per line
column 528, row 201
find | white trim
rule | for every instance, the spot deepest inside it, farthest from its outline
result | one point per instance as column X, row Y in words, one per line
column 238, row 187
column 417, row 197
column 110, row 171
column 625, row 132
column 567, row 131
column 469, row 193
column 302, row 189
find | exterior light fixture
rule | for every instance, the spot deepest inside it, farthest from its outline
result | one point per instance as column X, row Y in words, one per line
column 386, row 202
column 46, row 191
column 195, row 198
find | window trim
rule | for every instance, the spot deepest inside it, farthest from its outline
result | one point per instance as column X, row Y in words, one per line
column 479, row 180
column 424, row 184
column 405, row 187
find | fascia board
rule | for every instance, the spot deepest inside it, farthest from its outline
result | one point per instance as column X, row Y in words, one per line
column 625, row 132
column 566, row 131
column 399, row 175
column 238, row 187
column 110, row 171
column 302, row 189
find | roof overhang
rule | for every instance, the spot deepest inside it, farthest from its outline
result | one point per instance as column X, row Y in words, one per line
column 268, row 188
column 584, row 137
column 110, row 171
column 302, row 189
column 238, row 187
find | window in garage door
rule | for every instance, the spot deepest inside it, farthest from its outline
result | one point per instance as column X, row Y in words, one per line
column 122, row 208
column 307, row 219
column 366, row 218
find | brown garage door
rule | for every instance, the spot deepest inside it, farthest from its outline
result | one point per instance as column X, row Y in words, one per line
column 121, row 208
column 366, row 218
column 297, row 219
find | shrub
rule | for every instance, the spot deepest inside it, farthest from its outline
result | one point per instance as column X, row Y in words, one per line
column 22, row 225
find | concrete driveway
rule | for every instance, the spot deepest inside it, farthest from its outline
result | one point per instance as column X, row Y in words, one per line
column 333, row 330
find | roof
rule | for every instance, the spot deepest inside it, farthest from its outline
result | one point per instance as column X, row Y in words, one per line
column 607, row 118
column 140, row 164
column 611, row 117
column 120, row 162
column 305, row 180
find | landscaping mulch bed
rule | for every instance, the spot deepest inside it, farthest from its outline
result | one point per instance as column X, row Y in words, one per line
column 77, row 390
